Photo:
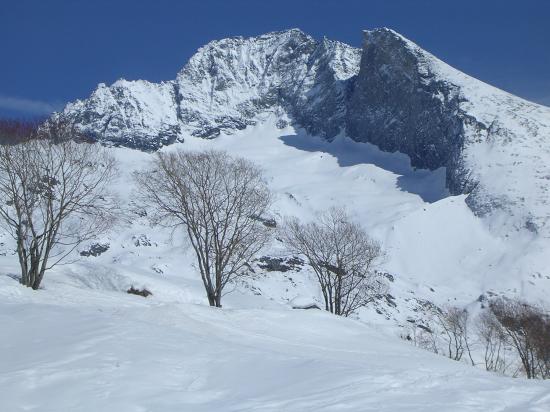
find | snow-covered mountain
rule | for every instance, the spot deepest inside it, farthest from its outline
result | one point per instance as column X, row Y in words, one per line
column 494, row 146
column 225, row 86
column 324, row 120
column 228, row 83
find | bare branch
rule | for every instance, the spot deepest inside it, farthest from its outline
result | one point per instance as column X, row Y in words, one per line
column 53, row 196
column 217, row 199
column 342, row 256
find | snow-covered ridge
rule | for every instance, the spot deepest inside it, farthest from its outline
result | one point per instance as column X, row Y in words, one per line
column 226, row 86
column 128, row 113
column 495, row 146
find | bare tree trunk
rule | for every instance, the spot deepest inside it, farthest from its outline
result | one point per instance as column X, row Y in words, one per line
column 342, row 256
column 218, row 199
column 211, row 298
column 53, row 196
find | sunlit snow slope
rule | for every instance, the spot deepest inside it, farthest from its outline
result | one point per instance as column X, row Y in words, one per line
column 82, row 344
column 432, row 239
column 79, row 350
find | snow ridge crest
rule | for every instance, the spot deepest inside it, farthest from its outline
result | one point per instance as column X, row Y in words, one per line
column 226, row 85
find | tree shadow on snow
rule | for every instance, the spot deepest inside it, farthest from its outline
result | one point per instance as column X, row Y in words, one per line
column 428, row 184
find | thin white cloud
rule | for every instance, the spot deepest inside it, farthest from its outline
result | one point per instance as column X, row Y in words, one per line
column 30, row 106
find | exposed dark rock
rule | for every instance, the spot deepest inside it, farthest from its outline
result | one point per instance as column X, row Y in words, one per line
column 399, row 106
column 275, row 264
column 388, row 276
column 140, row 292
column 95, row 250
column 142, row 240
column 268, row 222
column 306, row 306
column 390, row 300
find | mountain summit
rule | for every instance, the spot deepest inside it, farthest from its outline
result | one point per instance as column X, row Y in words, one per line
column 495, row 146
column 227, row 85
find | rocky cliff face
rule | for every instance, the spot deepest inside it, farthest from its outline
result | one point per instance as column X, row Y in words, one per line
column 136, row 114
column 494, row 146
column 227, row 85
column 400, row 104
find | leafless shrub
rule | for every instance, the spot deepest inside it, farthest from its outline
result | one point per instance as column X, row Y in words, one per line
column 217, row 199
column 422, row 336
column 342, row 256
column 542, row 347
column 53, row 196
column 527, row 329
column 453, row 323
column 493, row 340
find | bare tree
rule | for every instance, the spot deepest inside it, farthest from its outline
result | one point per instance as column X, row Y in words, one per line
column 453, row 322
column 527, row 330
column 422, row 336
column 541, row 338
column 218, row 199
column 493, row 339
column 53, row 196
column 342, row 256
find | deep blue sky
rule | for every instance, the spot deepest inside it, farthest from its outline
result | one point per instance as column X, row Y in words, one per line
column 55, row 51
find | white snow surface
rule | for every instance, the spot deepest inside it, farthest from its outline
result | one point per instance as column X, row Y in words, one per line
column 82, row 344
column 81, row 350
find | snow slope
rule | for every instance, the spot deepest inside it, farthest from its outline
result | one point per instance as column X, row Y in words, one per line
column 84, row 350
column 432, row 239
column 81, row 343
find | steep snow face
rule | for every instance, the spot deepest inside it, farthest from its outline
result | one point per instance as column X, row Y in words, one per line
column 225, row 86
column 227, row 83
column 495, row 146
column 128, row 113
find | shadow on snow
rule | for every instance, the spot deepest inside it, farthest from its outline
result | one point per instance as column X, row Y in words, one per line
column 428, row 184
